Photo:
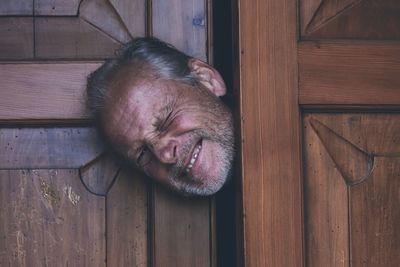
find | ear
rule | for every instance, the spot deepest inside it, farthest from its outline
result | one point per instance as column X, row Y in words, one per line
column 207, row 76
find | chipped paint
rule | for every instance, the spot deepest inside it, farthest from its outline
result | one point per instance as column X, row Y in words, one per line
column 72, row 196
column 48, row 193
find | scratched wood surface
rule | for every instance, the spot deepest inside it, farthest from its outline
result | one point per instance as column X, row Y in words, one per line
column 102, row 214
column 351, row 177
column 48, row 218
column 128, row 224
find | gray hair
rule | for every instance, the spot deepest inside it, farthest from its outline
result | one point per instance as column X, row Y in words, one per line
column 163, row 59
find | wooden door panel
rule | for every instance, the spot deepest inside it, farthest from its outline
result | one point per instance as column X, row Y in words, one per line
column 350, row 19
column 128, row 221
column 44, row 90
column 68, row 29
column 15, row 8
column 48, row 147
column 49, row 219
column 46, row 127
column 56, row 7
column 351, row 176
column 352, row 73
column 16, row 40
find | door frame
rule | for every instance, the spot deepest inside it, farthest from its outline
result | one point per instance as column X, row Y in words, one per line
column 270, row 220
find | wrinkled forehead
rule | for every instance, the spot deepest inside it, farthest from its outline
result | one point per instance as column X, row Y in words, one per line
column 130, row 107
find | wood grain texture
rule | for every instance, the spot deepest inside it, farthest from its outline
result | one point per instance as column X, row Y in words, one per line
column 326, row 203
column 271, row 184
column 351, row 73
column 353, row 225
column 56, row 7
column 71, row 37
column 16, row 38
column 375, row 216
column 189, row 21
column 181, row 230
column 13, row 8
column 133, row 15
column 44, row 91
column 22, row 148
column 102, row 15
column 100, row 173
column 351, row 19
column 49, row 219
column 127, row 221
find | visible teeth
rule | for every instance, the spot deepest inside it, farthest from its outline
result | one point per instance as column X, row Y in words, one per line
column 193, row 159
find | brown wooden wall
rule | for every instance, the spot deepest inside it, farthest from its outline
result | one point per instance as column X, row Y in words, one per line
column 64, row 200
column 319, row 84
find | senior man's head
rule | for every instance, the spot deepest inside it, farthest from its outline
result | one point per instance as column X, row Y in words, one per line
column 160, row 109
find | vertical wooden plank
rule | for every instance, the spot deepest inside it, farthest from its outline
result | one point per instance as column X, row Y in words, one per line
column 181, row 230
column 189, row 22
column 127, row 224
column 375, row 216
column 16, row 38
column 325, row 202
column 49, row 219
column 181, row 226
column 271, row 184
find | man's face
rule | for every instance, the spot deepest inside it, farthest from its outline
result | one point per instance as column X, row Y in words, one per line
column 180, row 135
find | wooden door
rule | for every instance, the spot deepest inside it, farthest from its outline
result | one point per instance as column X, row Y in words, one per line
column 320, row 139
column 65, row 200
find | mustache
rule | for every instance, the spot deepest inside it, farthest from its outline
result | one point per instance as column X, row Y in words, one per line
column 178, row 168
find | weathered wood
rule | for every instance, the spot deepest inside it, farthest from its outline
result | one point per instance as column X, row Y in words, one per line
column 350, row 19
column 16, row 38
column 353, row 225
column 270, row 148
column 181, row 230
column 326, row 203
column 353, row 73
column 102, row 15
column 189, row 21
column 99, row 174
column 375, row 216
column 48, row 147
column 44, row 91
column 15, row 8
column 49, row 219
column 56, row 7
column 127, row 221
column 71, row 37
column 133, row 15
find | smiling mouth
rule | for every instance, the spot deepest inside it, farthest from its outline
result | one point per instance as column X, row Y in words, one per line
column 194, row 156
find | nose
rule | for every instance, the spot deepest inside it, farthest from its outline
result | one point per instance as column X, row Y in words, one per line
column 166, row 151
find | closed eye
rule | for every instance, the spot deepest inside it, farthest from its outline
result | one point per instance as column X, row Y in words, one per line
column 166, row 122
